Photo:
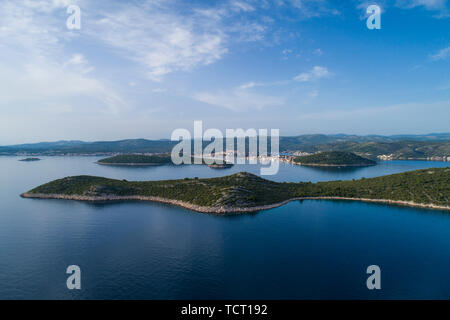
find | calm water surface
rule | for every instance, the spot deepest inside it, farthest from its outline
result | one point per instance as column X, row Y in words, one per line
column 137, row 250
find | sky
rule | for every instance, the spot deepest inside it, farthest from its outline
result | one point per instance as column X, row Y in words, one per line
column 141, row 69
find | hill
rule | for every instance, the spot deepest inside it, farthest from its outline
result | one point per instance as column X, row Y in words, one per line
column 135, row 159
column 399, row 150
column 244, row 192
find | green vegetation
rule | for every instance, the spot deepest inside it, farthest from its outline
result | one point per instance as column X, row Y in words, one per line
column 136, row 159
column 334, row 158
column 244, row 190
column 220, row 165
column 160, row 159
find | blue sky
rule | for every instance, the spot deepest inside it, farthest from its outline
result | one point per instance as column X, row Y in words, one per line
column 140, row 69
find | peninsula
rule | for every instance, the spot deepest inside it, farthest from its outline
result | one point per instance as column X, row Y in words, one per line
column 333, row 159
column 244, row 192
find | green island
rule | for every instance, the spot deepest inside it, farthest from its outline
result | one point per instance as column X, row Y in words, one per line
column 244, row 192
column 137, row 160
column 333, row 159
column 153, row 160
column 30, row 159
column 220, row 165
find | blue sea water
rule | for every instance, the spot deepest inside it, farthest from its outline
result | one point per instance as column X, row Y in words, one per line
column 139, row 250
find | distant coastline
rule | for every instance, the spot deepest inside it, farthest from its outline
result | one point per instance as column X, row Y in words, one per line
column 425, row 147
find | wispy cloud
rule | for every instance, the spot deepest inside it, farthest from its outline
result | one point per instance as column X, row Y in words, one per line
column 158, row 35
column 428, row 4
column 248, row 85
column 318, row 52
column 441, row 54
column 433, row 5
column 439, row 6
column 159, row 38
column 241, row 6
column 239, row 100
column 314, row 74
column 310, row 8
column 36, row 69
column 79, row 61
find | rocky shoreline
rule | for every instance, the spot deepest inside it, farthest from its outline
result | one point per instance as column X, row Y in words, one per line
column 221, row 210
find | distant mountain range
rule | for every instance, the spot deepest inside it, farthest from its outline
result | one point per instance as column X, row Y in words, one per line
column 396, row 146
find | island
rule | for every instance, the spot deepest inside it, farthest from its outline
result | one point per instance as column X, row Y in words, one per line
column 245, row 192
column 137, row 160
column 151, row 160
column 220, row 165
column 30, row 159
column 333, row 159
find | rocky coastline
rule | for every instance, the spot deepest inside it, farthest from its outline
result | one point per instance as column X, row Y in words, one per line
column 222, row 210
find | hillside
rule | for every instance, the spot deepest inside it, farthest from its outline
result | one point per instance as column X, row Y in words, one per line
column 399, row 150
column 247, row 192
column 333, row 158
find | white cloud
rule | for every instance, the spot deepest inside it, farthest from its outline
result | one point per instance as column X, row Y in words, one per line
column 248, row 85
column 165, row 40
column 432, row 5
column 318, row 52
column 242, row 6
column 37, row 72
column 42, row 82
column 428, row 4
column 160, row 39
column 314, row 74
column 310, row 8
column 158, row 35
column 79, row 62
column 77, row 59
column 441, row 54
